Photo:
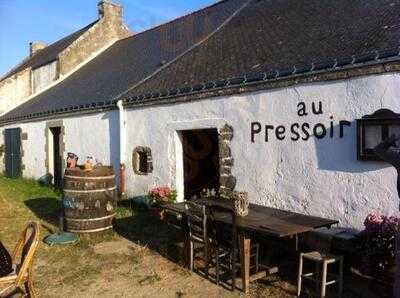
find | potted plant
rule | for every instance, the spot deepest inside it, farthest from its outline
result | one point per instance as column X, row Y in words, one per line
column 378, row 246
column 158, row 196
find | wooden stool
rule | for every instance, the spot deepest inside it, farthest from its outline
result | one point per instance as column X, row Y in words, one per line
column 325, row 259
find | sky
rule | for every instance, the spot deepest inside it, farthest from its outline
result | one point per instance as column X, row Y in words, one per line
column 23, row 21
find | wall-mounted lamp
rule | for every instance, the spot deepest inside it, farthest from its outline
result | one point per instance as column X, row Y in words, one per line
column 373, row 129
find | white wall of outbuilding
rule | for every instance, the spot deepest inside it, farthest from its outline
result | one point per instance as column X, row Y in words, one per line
column 314, row 176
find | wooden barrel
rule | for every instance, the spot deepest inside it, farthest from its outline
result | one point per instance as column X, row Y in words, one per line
column 89, row 199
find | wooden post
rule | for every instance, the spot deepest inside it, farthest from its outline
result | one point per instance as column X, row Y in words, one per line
column 186, row 250
column 244, row 244
column 324, row 275
column 299, row 277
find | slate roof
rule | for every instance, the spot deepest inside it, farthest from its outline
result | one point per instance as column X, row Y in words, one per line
column 278, row 34
column 49, row 53
column 265, row 40
column 130, row 60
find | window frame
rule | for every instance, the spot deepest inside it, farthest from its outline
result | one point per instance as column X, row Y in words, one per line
column 383, row 118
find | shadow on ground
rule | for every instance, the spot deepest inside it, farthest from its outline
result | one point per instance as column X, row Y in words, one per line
column 144, row 228
column 47, row 209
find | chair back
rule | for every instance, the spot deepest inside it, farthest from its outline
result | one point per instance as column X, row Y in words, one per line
column 25, row 251
column 197, row 221
column 224, row 232
column 223, row 224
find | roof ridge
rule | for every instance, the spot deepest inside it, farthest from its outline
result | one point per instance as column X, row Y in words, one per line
column 195, row 45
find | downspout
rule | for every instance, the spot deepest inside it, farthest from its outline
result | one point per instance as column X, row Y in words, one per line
column 122, row 143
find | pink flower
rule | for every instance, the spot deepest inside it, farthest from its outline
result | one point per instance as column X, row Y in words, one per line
column 373, row 218
column 162, row 193
column 373, row 222
column 377, row 223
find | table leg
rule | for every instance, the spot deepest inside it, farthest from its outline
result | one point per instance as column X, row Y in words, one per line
column 186, row 251
column 244, row 246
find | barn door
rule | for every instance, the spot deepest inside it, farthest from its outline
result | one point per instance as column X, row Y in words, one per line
column 13, row 152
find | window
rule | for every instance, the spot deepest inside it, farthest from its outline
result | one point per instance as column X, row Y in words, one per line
column 44, row 75
column 142, row 161
column 373, row 129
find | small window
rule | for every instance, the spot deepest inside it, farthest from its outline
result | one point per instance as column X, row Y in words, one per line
column 142, row 161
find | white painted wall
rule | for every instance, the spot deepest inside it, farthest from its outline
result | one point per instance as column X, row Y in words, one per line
column 86, row 135
column 92, row 135
column 34, row 153
column 318, row 177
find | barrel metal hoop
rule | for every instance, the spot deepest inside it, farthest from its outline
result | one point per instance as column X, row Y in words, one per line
column 90, row 231
column 90, row 219
column 90, row 178
column 89, row 191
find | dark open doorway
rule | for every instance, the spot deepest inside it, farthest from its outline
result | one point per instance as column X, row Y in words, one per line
column 200, row 161
column 56, row 160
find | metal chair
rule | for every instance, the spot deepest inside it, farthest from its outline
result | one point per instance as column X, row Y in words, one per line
column 22, row 260
column 197, row 228
column 225, row 242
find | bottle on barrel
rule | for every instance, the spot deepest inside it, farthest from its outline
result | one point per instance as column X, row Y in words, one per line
column 72, row 160
column 88, row 165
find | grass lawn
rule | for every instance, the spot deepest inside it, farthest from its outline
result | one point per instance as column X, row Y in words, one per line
column 126, row 262
column 139, row 258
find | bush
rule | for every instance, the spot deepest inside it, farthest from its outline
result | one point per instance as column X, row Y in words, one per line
column 378, row 244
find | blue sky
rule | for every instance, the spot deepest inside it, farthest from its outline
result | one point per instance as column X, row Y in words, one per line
column 23, row 21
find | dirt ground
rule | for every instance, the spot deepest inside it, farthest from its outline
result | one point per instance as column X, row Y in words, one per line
column 141, row 257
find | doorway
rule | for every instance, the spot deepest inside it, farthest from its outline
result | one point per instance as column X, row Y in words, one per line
column 200, row 161
column 13, row 152
column 55, row 158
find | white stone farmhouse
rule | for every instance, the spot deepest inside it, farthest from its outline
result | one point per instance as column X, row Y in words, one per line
column 254, row 95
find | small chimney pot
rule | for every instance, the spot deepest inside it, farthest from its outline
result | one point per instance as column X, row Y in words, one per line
column 35, row 47
column 109, row 10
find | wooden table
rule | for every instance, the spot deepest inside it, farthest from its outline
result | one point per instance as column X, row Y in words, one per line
column 262, row 220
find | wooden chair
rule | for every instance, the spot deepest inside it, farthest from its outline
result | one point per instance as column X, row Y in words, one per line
column 325, row 259
column 225, row 242
column 197, row 228
column 22, row 259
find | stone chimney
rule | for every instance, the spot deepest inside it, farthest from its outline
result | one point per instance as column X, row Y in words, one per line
column 110, row 11
column 36, row 46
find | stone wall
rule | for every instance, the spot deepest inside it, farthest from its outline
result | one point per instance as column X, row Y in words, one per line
column 107, row 30
column 17, row 89
column 14, row 90
column 44, row 75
